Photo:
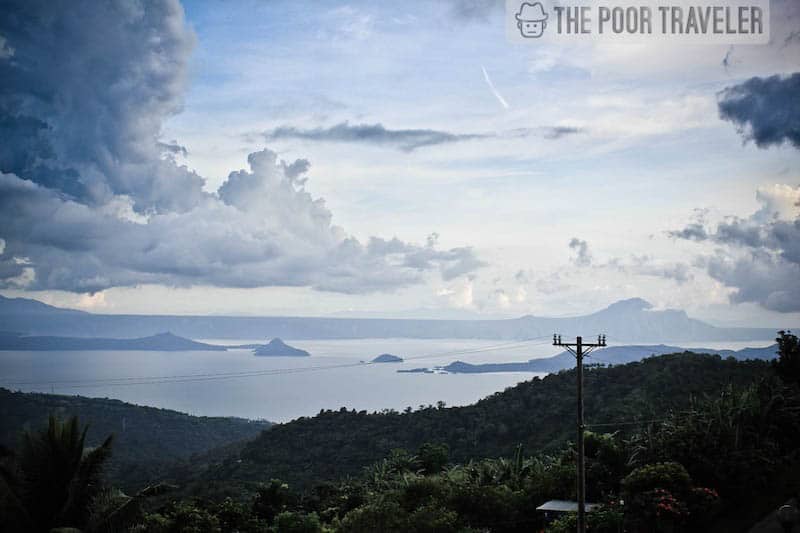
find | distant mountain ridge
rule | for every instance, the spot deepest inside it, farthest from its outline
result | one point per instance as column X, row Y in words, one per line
column 625, row 321
column 163, row 342
column 25, row 306
column 615, row 355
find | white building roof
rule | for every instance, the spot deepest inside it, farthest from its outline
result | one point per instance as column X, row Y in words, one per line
column 564, row 506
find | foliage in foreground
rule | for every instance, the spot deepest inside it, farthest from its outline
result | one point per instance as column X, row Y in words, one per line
column 138, row 458
column 53, row 481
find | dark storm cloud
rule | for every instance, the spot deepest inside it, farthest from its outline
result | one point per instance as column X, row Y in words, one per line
column 765, row 110
column 91, row 196
column 376, row 134
column 778, row 235
column 759, row 277
column 84, row 95
column 758, row 256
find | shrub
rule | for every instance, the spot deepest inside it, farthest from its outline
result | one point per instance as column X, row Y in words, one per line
column 297, row 522
column 672, row 477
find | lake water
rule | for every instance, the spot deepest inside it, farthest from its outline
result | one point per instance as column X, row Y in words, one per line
column 278, row 397
column 277, row 388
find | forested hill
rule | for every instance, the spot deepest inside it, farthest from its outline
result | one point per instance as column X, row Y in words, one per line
column 146, row 438
column 539, row 414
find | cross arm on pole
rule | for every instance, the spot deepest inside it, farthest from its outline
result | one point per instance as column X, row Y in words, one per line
column 585, row 347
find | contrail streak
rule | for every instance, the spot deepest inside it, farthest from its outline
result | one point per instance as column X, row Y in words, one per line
column 493, row 89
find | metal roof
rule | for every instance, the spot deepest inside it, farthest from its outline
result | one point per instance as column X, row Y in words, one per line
column 564, row 506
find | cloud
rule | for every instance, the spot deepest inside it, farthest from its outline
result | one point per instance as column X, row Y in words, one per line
column 550, row 133
column 262, row 230
column 693, row 231
column 459, row 295
column 554, row 283
column 727, row 60
column 764, row 110
column 407, row 140
column 174, row 148
column 644, row 265
column 91, row 196
column 522, row 277
column 89, row 124
column 499, row 299
column 759, row 277
column 679, row 272
column 556, row 132
column 346, row 23
column 758, row 256
column 5, row 51
column 584, row 256
column 637, row 265
column 474, row 10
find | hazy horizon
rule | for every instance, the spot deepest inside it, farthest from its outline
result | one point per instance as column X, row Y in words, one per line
column 427, row 314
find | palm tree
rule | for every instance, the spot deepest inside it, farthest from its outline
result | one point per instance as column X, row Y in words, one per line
column 53, row 479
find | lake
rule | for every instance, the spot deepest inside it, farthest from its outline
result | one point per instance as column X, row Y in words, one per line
column 278, row 388
column 278, row 397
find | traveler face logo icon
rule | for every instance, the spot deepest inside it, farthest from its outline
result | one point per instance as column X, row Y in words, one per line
column 531, row 20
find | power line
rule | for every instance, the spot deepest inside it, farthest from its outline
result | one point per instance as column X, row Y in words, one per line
column 216, row 376
column 274, row 370
column 631, row 423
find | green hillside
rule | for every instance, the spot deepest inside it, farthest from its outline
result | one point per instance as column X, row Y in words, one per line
column 539, row 414
column 146, row 438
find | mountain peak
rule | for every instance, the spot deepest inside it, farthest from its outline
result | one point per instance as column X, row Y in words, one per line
column 629, row 305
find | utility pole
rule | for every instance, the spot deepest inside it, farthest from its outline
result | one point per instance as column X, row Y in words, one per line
column 579, row 354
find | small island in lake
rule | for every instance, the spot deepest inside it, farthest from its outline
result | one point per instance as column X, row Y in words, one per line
column 387, row 358
column 278, row 348
column 416, row 371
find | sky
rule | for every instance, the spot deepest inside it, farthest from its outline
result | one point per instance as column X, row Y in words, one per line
column 398, row 159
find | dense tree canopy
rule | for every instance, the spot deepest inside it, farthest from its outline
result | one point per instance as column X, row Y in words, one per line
column 539, row 414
